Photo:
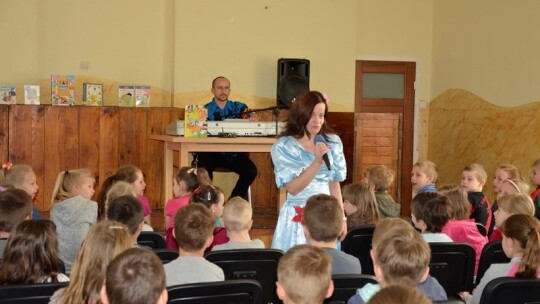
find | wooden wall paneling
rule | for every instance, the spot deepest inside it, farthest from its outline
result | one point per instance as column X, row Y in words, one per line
column 54, row 148
column 71, row 136
column 4, row 134
column 38, row 155
column 142, row 138
column 89, row 131
column 154, row 158
column 108, row 142
column 127, row 144
column 20, row 134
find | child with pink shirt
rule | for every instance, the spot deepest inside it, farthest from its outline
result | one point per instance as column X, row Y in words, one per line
column 461, row 228
column 185, row 182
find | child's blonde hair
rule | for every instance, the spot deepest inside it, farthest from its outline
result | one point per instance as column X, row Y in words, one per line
column 381, row 177
column 457, row 197
column 511, row 170
column 360, row 195
column 429, row 168
column 305, row 273
column 518, row 185
column 323, row 217
column 14, row 174
column 401, row 253
column 118, row 189
column 519, row 203
column 65, row 182
column 536, row 163
column 479, row 171
column 237, row 214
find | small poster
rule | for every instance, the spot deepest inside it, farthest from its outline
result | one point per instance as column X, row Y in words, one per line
column 92, row 94
column 126, row 96
column 63, row 90
column 195, row 124
column 8, row 94
column 142, row 96
column 31, row 94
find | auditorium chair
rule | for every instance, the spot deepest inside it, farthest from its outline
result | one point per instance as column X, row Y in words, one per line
column 29, row 294
column 345, row 286
column 452, row 264
column 224, row 292
column 151, row 239
column 492, row 253
column 357, row 242
column 511, row 290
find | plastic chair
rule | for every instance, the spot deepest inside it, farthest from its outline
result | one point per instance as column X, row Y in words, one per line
column 29, row 294
column 151, row 239
column 491, row 253
column 482, row 229
column 452, row 264
column 345, row 286
column 166, row 255
column 357, row 242
column 233, row 292
column 254, row 264
column 511, row 290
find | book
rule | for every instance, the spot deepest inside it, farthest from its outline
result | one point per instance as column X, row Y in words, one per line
column 126, row 96
column 31, row 94
column 8, row 94
column 142, row 96
column 195, row 123
column 92, row 94
column 63, row 90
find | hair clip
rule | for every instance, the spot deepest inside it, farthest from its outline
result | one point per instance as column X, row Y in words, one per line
column 326, row 98
column 514, row 185
column 197, row 191
column 209, row 196
column 116, row 227
column 192, row 170
column 7, row 165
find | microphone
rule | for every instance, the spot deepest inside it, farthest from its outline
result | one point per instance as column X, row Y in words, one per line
column 320, row 138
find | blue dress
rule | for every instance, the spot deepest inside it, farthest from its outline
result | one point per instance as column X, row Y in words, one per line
column 290, row 160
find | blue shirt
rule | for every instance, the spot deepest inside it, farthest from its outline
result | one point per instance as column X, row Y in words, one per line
column 232, row 109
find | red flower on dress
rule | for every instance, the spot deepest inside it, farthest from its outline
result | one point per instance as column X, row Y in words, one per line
column 299, row 217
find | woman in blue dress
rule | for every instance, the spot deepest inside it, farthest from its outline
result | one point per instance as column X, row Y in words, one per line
column 299, row 165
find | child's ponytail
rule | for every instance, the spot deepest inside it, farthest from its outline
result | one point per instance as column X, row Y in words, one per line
column 530, row 263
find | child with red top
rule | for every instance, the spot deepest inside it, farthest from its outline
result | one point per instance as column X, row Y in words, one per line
column 473, row 180
column 461, row 228
column 535, row 179
column 185, row 182
column 213, row 198
column 503, row 172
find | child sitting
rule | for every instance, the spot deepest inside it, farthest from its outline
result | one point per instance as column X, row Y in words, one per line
column 400, row 256
column 20, row 177
column 185, row 182
column 135, row 276
column 73, row 211
column 461, row 228
column 128, row 211
column 323, row 219
column 423, row 176
column 105, row 240
column 304, row 275
column 31, row 255
column 473, row 180
column 237, row 219
column 121, row 188
column 511, row 186
column 212, row 198
column 135, row 177
column 429, row 213
column 360, row 205
column 535, row 179
column 15, row 207
column 508, row 205
column 382, row 178
column 503, row 172
column 521, row 243
column 193, row 226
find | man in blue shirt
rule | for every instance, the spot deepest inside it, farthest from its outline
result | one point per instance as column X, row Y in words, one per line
column 222, row 108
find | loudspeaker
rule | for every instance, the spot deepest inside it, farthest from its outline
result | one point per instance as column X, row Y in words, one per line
column 292, row 79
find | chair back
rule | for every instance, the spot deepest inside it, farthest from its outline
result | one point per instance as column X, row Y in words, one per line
column 225, row 292
column 511, row 290
column 358, row 243
column 29, row 294
column 151, row 239
column 345, row 286
column 254, row 264
column 452, row 264
column 482, row 229
column 166, row 255
column 492, row 253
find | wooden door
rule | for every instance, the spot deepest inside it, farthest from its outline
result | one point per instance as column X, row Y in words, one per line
column 388, row 87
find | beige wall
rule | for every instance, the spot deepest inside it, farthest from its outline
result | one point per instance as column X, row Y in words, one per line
column 488, row 47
